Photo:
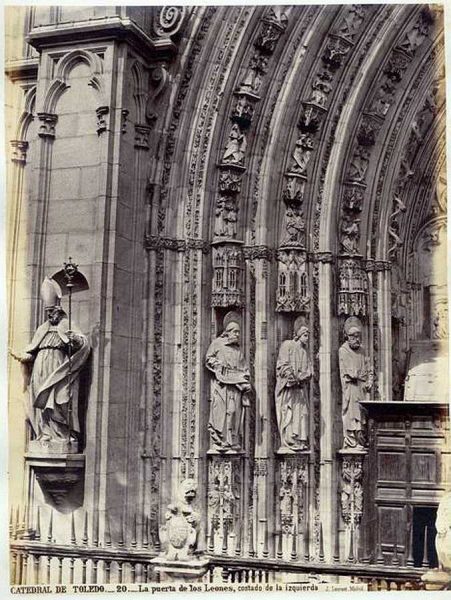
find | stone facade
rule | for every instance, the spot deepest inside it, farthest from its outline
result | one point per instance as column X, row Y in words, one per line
column 279, row 163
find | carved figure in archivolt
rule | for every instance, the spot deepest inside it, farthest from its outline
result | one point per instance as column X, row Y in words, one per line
column 258, row 65
column 359, row 164
column 235, row 147
column 294, row 226
column 229, row 389
column 321, row 88
column 356, row 382
column 350, row 234
column 294, row 371
column 302, row 154
column 52, row 378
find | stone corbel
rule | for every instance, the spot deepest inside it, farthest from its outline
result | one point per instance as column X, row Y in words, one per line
column 19, row 151
column 142, row 133
column 102, row 122
column 47, row 125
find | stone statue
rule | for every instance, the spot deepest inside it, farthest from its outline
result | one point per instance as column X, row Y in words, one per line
column 294, row 371
column 235, row 147
column 179, row 535
column 55, row 357
column 356, row 382
column 443, row 526
column 230, row 387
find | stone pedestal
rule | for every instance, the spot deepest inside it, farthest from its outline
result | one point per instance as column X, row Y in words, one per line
column 292, row 504
column 436, row 580
column 58, row 475
column 175, row 570
column 351, row 499
column 225, row 518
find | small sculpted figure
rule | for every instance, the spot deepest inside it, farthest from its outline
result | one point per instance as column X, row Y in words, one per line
column 294, row 371
column 179, row 535
column 229, row 390
column 356, row 382
column 53, row 381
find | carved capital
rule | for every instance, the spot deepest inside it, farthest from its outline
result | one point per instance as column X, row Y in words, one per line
column 19, row 151
column 47, row 125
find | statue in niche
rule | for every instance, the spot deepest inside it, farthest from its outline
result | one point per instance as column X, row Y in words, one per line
column 350, row 234
column 359, row 164
column 53, row 377
column 235, row 147
column 351, row 22
column 321, row 88
column 295, row 226
column 293, row 372
column 383, row 98
column 179, row 535
column 302, row 153
column 230, row 389
column 226, row 217
column 416, row 36
column 356, row 383
column 258, row 66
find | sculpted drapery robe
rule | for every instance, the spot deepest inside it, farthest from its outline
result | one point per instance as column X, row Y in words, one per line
column 50, row 382
column 354, row 376
column 231, row 373
column 294, row 371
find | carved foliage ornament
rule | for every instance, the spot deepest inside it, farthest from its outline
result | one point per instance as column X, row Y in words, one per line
column 352, row 490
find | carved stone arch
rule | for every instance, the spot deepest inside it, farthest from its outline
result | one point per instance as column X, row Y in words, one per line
column 425, row 165
column 341, row 144
column 401, row 133
column 139, row 91
column 64, row 68
column 27, row 115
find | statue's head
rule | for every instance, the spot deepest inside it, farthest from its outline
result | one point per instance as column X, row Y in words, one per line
column 188, row 491
column 232, row 332
column 55, row 314
column 354, row 340
column 301, row 333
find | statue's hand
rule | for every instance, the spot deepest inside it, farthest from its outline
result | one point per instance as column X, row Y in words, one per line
column 23, row 357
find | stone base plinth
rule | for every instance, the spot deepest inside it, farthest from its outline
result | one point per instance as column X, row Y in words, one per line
column 52, row 447
column 436, row 580
column 176, row 570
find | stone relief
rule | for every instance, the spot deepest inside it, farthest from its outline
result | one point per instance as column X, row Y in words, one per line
column 321, row 88
column 179, row 535
column 353, row 288
column 352, row 491
column 359, row 165
column 294, row 226
column 227, row 275
column 293, row 372
column 258, row 66
column 54, row 359
column 356, row 382
column 230, row 389
column 292, row 288
column 226, row 217
column 419, row 32
column 302, row 153
column 235, row 147
column 351, row 22
column 349, row 234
